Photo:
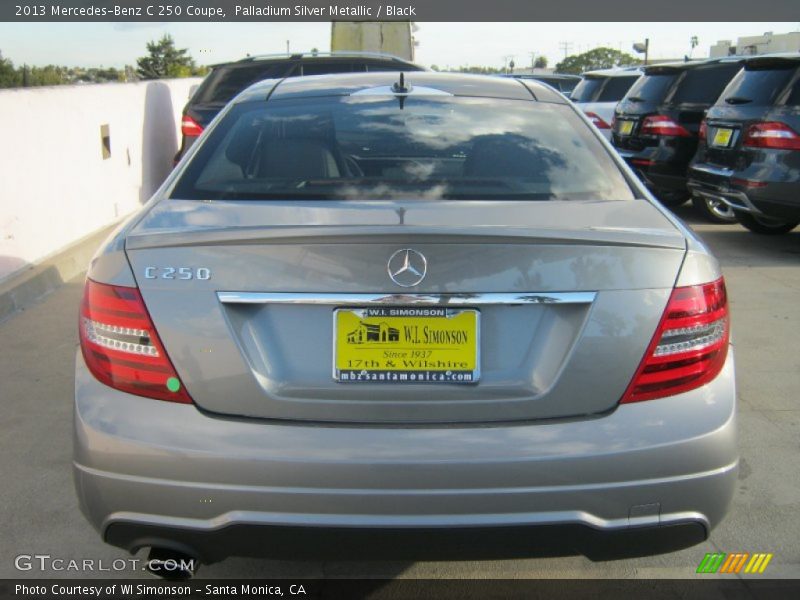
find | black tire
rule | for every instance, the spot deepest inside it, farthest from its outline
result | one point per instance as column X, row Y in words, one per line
column 764, row 225
column 715, row 211
column 671, row 198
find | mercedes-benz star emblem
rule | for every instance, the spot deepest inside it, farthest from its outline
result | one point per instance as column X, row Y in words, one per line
column 407, row 267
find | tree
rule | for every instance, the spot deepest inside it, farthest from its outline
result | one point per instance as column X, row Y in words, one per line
column 599, row 58
column 165, row 60
column 48, row 75
column 479, row 70
column 9, row 77
column 540, row 62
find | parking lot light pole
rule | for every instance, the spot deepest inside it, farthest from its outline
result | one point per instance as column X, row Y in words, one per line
column 642, row 48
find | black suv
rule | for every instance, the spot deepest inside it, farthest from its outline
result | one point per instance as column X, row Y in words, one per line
column 657, row 124
column 228, row 79
column 749, row 154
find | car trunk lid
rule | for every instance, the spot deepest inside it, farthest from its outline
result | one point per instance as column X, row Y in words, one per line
column 243, row 295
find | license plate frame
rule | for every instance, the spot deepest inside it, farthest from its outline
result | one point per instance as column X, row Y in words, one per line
column 432, row 361
column 625, row 127
column 722, row 137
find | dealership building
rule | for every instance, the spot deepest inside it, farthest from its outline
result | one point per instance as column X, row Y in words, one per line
column 757, row 44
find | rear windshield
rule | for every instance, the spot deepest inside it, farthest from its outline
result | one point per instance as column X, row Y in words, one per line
column 586, row 89
column 616, row 88
column 377, row 147
column 703, row 85
column 225, row 82
column 564, row 85
column 759, row 87
column 359, row 66
column 651, row 88
column 567, row 85
column 794, row 95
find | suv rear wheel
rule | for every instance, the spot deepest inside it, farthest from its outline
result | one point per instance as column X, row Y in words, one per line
column 715, row 211
column 765, row 225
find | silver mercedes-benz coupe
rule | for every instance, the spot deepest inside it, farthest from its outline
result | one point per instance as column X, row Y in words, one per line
column 420, row 312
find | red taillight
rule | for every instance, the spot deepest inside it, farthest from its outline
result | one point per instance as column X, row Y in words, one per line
column 120, row 344
column 748, row 182
column 662, row 125
column 643, row 162
column 690, row 344
column 190, row 127
column 772, row 135
column 597, row 120
column 703, row 133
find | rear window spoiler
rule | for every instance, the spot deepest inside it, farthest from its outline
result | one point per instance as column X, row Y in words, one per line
column 766, row 62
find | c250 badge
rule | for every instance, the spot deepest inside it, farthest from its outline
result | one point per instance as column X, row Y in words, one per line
column 185, row 273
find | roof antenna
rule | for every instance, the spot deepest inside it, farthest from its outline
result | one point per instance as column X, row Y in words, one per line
column 401, row 89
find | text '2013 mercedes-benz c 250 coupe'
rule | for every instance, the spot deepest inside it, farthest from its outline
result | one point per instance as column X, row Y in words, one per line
column 420, row 314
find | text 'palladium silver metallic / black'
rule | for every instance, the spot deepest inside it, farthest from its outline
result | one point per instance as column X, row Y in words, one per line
column 407, row 267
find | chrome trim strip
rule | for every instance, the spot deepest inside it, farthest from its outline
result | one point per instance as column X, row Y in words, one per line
column 748, row 206
column 255, row 518
column 354, row 299
column 722, row 172
column 725, row 197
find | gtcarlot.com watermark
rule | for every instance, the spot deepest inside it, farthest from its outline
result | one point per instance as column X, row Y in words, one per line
column 47, row 562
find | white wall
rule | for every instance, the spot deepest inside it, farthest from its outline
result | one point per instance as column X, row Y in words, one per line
column 55, row 186
column 758, row 44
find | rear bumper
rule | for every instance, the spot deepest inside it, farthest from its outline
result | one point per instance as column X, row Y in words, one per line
column 661, row 166
column 778, row 199
column 646, row 478
column 451, row 543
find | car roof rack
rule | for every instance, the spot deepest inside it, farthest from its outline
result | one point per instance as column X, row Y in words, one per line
column 620, row 71
column 538, row 75
column 338, row 54
column 692, row 64
column 774, row 55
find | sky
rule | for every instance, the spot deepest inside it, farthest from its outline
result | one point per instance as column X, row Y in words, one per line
column 443, row 44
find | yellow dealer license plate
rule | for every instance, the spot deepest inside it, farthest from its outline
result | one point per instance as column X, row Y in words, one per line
column 722, row 137
column 625, row 127
column 406, row 345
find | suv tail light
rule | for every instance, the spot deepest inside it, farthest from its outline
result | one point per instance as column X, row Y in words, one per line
column 121, row 346
column 662, row 125
column 772, row 134
column 597, row 120
column 689, row 347
column 190, row 127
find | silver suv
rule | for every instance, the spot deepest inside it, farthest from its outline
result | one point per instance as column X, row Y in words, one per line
column 599, row 93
